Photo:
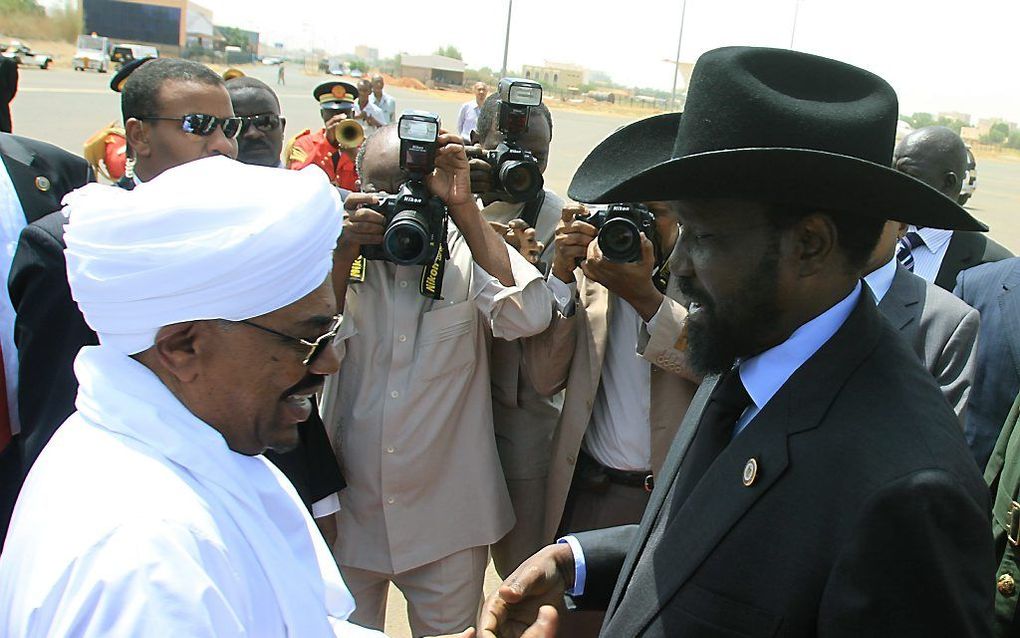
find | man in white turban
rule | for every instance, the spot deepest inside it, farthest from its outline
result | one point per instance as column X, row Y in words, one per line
column 152, row 512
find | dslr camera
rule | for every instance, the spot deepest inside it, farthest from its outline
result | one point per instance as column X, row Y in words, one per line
column 514, row 170
column 415, row 219
column 620, row 227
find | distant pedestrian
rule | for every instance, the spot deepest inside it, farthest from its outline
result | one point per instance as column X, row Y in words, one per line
column 281, row 73
column 467, row 119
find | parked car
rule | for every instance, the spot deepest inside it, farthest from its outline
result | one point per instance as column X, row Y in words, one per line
column 19, row 52
column 272, row 61
column 969, row 179
column 92, row 52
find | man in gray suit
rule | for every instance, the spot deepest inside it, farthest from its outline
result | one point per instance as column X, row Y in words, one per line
column 991, row 288
column 940, row 328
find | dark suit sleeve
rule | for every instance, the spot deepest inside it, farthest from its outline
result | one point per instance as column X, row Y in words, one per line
column 605, row 551
column 49, row 331
column 920, row 562
column 324, row 477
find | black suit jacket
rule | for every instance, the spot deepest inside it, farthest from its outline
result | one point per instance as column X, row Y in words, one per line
column 42, row 174
column 8, row 89
column 867, row 516
column 967, row 249
column 49, row 332
column 994, row 289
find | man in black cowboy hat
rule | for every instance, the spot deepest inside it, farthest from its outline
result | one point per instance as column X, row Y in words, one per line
column 819, row 484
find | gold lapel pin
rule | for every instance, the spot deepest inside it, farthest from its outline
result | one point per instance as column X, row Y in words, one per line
column 750, row 472
column 42, row 183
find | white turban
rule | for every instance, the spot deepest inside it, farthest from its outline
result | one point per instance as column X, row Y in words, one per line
column 210, row 239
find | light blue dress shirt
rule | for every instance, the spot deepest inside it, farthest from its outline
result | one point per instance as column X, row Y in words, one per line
column 762, row 375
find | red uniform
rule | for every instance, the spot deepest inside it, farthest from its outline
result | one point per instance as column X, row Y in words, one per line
column 313, row 148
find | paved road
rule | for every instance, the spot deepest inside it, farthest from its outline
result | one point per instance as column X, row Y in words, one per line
column 65, row 107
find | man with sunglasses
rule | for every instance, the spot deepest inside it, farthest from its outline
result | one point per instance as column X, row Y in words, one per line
column 175, row 111
column 261, row 138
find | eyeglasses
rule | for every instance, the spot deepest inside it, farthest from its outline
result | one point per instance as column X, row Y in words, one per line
column 315, row 348
column 264, row 122
column 203, row 125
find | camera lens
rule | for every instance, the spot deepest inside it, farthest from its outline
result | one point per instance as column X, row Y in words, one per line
column 406, row 240
column 620, row 240
column 520, row 179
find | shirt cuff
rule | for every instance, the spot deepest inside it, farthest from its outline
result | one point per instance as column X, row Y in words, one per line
column 580, row 569
column 488, row 291
column 326, row 506
column 563, row 293
column 655, row 318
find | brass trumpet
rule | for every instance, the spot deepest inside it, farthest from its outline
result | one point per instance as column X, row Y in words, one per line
column 348, row 134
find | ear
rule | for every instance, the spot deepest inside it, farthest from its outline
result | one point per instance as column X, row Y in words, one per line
column 950, row 180
column 812, row 243
column 180, row 347
column 137, row 137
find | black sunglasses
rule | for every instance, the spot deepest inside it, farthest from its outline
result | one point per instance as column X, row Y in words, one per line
column 315, row 348
column 264, row 122
column 202, row 124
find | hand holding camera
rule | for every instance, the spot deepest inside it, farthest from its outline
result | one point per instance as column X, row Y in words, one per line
column 362, row 227
column 521, row 237
column 571, row 241
column 630, row 280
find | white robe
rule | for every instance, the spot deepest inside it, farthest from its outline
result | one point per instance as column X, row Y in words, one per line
column 138, row 520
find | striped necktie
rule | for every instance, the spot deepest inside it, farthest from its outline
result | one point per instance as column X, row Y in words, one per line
column 905, row 249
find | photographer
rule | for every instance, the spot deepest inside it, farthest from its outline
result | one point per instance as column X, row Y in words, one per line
column 411, row 407
column 620, row 412
column 524, row 419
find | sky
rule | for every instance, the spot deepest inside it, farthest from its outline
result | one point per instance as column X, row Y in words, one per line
column 939, row 55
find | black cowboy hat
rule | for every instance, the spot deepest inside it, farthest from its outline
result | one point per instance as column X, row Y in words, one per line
column 770, row 125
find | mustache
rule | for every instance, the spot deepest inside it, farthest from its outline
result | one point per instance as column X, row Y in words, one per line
column 691, row 293
column 311, row 383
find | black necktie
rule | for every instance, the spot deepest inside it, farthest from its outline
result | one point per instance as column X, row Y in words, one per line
column 905, row 249
column 727, row 402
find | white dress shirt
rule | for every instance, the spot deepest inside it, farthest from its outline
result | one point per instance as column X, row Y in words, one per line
column 880, row 280
column 619, row 434
column 763, row 375
column 387, row 105
column 929, row 255
column 467, row 119
column 372, row 110
column 12, row 221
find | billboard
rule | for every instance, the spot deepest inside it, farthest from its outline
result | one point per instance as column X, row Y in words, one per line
column 133, row 21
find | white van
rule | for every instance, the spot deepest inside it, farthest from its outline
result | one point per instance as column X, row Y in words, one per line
column 126, row 52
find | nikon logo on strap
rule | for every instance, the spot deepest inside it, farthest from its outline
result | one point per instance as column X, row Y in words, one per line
column 357, row 273
column 432, row 277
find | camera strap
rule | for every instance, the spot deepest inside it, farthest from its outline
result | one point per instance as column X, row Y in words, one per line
column 357, row 274
column 661, row 277
column 532, row 209
column 431, row 285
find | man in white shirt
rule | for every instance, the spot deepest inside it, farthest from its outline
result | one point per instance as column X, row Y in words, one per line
column 383, row 100
column 411, row 411
column 937, row 156
column 368, row 114
column 467, row 118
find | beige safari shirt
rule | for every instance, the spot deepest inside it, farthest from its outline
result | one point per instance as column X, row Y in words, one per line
column 411, row 410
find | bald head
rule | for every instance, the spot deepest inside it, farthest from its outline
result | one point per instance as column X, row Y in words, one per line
column 378, row 161
column 936, row 156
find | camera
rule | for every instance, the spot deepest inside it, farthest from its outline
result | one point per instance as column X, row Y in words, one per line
column 415, row 219
column 620, row 227
column 515, row 171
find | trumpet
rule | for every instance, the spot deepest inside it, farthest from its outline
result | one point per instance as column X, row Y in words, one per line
column 348, row 134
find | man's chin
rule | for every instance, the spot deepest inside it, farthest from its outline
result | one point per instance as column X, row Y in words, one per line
column 709, row 350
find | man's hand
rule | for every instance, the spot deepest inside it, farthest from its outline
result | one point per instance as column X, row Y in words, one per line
column 571, row 241
column 632, row 282
column 481, row 171
column 521, row 237
column 451, row 180
column 526, row 604
column 362, row 226
column 331, row 127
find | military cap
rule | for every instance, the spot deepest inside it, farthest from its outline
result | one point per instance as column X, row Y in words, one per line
column 233, row 72
column 120, row 77
column 335, row 96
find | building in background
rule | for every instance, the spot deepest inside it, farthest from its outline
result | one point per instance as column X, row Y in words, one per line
column 201, row 33
column 433, row 70
column 557, row 75
column 955, row 115
column 366, row 53
column 160, row 23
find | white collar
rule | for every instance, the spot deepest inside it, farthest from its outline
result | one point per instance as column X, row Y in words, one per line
column 880, row 280
column 764, row 374
column 934, row 238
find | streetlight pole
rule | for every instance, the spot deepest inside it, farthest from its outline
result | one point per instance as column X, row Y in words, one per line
column 506, row 45
column 796, row 12
column 676, row 67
